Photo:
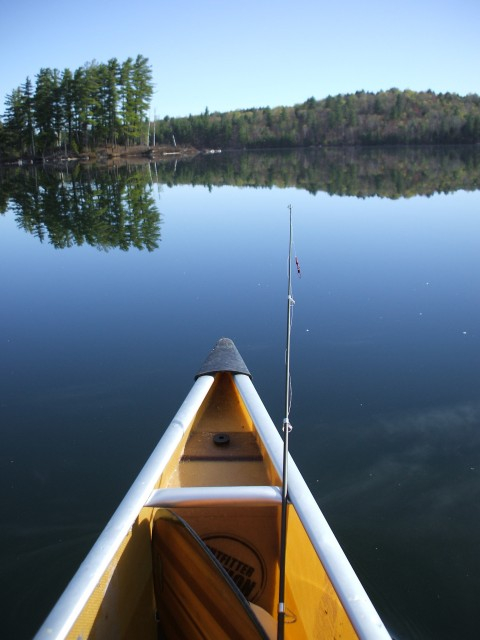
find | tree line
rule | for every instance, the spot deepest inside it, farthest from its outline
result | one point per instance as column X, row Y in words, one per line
column 97, row 104
column 361, row 118
column 107, row 104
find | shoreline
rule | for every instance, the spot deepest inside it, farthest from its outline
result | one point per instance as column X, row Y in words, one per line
column 106, row 154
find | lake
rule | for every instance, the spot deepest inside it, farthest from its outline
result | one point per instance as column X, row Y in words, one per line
column 116, row 283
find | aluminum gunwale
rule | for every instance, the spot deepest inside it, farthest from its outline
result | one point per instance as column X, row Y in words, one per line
column 353, row 596
column 63, row 616
column 204, row 496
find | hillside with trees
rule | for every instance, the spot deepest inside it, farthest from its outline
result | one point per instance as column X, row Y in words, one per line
column 95, row 105
column 384, row 118
column 107, row 104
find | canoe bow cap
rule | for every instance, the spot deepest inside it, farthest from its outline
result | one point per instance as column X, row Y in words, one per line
column 223, row 357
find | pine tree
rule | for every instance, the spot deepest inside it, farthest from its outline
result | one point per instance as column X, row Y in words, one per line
column 15, row 121
column 47, row 108
column 112, row 100
column 27, row 89
column 142, row 93
column 126, row 100
column 67, row 102
column 86, row 104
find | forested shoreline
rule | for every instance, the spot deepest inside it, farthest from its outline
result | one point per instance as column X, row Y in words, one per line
column 384, row 118
column 106, row 106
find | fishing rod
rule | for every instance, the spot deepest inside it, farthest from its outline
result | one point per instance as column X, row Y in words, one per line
column 287, row 427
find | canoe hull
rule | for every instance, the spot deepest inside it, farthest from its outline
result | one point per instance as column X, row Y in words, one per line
column 219, row 467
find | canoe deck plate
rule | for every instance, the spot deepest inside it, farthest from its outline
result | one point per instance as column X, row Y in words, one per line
column 242, row 446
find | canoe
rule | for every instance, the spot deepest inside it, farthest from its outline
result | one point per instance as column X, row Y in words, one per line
column 193, row 549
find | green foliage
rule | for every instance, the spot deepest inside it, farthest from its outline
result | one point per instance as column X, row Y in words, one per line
column 387, row 117
column 100, row 104
column 47, row 109
column 95, row 105
column 18, row 136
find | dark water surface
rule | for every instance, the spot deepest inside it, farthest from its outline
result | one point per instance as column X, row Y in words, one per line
column 99, row 345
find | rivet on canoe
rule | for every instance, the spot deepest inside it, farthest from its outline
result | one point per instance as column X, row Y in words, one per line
column 221, row 439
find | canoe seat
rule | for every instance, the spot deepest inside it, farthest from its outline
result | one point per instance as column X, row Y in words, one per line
column 204, row 496
column 195, row 597
column 240, row 527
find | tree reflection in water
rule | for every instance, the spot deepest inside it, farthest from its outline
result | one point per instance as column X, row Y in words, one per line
column 104, row 207
column 109, row 207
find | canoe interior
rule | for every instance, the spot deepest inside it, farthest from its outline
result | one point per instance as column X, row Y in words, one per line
column 200, row 462
column 244, row 539
column 194, row 595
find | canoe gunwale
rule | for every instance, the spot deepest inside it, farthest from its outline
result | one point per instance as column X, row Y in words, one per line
column 353, row 596
column 71, row 602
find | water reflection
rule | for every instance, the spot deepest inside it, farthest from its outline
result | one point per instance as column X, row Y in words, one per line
column 435, row 448
column 109, row 207
column 414, row 495
column 105, row 208
column 351, row 171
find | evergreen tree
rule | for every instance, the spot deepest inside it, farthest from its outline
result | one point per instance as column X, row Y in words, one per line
column 140, row 96
column 47, row 108
column 3, row 146
column 15, row 121
column 29, row 137
column 67, row 103
column 112, row 100
column 86, row 85
column 101, row 103
column 126, row 100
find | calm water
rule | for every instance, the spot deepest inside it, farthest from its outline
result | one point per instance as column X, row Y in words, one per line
column 99, row 346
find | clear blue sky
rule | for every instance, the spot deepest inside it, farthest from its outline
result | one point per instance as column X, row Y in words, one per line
column 226, row 55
